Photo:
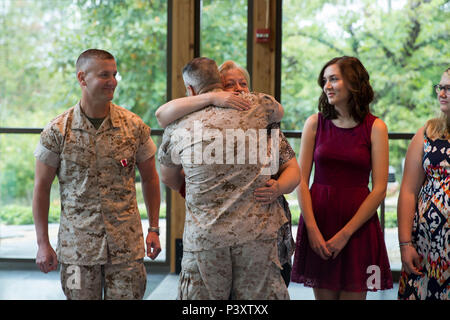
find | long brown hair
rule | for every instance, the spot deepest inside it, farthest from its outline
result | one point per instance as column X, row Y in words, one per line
column 356, row 78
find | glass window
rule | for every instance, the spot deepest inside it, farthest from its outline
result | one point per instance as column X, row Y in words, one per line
column 403, row 45
column 39, row 44
column 224, row 31
column 41, row 40
column 17, row 234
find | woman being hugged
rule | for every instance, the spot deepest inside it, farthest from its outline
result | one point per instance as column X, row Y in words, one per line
column 340, row 251
column 424, row 207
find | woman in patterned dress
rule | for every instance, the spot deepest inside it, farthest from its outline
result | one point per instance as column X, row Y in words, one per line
column 424, row 207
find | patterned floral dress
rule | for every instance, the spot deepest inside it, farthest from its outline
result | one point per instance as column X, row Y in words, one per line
column 431, row 230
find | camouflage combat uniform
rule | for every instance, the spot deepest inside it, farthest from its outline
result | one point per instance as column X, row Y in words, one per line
column 100, row 222
column 222, row 217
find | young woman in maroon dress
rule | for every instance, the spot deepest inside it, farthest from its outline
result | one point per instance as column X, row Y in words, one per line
column 340, row 251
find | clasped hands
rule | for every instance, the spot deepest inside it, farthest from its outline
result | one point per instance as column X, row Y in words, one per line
column 327, row 249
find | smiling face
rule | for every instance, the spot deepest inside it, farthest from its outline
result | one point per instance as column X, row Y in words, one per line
column 334, row 86
column 234, row 80
column 98, row 80
column 443, row 97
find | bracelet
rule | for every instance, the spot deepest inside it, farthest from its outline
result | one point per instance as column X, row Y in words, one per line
column 154, row 229
column 403, row 244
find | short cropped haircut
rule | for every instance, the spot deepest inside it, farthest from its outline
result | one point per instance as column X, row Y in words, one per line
column 202, row 74
column 92, row 54
column 230, row 65
column 356, row 78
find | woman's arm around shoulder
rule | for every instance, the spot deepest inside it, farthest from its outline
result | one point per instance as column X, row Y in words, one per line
column 178, row 108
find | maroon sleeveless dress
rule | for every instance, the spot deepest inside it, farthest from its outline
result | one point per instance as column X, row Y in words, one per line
column 342, row 161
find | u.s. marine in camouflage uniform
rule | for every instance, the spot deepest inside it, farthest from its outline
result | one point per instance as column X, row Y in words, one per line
column 230, row 239
column 93, row 148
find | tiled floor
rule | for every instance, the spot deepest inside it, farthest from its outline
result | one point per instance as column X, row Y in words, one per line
column 18, row 242
column 34, row 285
column 167, row 291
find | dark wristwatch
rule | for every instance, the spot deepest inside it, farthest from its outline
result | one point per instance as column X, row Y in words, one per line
column 154, row 229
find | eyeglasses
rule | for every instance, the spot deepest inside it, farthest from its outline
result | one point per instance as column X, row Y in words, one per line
column 438, row 88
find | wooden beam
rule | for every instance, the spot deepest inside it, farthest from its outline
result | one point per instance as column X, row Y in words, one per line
column 263, row 55
column 182, row 22
column 183, row 47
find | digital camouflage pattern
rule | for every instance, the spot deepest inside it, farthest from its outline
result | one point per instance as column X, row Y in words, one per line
column 230, row 239
column 250, row 271
column 220, row 207
column 125, row 281
column 96, row 173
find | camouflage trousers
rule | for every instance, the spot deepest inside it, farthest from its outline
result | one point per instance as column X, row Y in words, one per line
column 126, row 281
column 244, row 272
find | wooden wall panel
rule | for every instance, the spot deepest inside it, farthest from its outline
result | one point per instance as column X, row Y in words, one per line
column 182, row 40
column 263, row 54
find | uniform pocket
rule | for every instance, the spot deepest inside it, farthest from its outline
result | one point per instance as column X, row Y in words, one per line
column 125, row 161
column 80, row 157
